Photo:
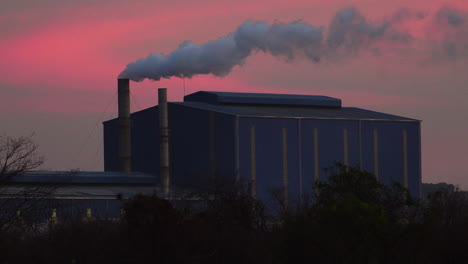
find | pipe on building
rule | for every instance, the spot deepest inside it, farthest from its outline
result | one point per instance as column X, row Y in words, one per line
column 125, row 151
column 164, row 142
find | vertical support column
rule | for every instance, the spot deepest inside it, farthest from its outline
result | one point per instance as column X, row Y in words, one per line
column 405, row 159
column 360, row 144
column 376, row 154
column 164, row 140
column 420, row 160
column 253, row 163
column 285, row 168
column 345, row 147
column 316, row 155
column 299, row 150
column 212, row 146
column 125, row 148
column 236, row 148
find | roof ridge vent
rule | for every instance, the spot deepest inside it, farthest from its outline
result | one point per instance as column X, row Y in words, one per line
column 229, row 98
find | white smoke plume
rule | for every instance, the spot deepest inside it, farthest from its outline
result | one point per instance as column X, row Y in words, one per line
column 349, row 32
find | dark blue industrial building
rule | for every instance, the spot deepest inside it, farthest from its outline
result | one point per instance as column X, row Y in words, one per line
column 271, row 141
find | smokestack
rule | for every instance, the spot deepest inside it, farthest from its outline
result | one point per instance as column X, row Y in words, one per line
column 125, row 151
column 164, row 147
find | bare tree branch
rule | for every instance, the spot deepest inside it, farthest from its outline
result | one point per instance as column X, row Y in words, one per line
column 17, row 156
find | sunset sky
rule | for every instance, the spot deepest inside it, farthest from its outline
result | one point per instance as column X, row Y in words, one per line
column 59, row 60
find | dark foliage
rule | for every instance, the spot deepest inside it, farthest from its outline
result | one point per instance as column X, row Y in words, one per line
column 352, row 219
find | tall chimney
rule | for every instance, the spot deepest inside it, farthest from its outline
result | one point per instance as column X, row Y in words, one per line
column 164, row 141
column 125, row 150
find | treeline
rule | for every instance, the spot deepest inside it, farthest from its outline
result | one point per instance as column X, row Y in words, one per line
column 351, row 219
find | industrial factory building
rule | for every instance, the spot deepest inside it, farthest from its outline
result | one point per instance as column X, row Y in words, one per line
column 271, row 141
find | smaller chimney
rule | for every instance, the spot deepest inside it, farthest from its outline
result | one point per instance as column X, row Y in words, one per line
column 125, row 151
column 164, row 141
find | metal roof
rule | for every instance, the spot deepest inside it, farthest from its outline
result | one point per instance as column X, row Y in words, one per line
column 85, row 177
column 279, row 106
column 296, row 112
column 84, row 192
column 92, row 185
column 263, row 99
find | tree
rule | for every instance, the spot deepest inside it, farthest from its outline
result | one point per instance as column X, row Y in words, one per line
column 353, row 218
column 17, row 156
column 19, row 203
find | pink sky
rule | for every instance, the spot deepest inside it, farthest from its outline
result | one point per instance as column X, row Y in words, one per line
column 59, row 61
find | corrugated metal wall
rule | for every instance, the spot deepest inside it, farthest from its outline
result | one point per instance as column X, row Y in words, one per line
column 144, row 142
column 272, row 167
column 202, row 145
column 324, row 142
column 111, row 140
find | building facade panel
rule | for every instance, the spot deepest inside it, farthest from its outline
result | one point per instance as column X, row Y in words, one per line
column 392, row 152
column 275, row 160
column 224, row 145
column 336, row 140
column 110, row 138
column 414, row 158
column 145, row 141
column 189, row 131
